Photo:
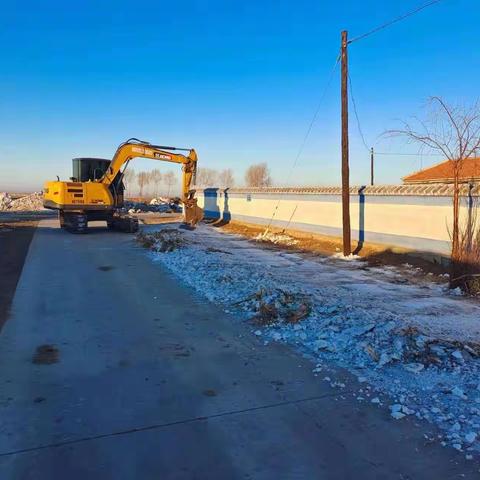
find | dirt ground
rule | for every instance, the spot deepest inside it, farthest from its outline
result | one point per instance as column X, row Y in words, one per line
column 16, row 232
column 374, row 254
column 157, row 218
column 316, row 244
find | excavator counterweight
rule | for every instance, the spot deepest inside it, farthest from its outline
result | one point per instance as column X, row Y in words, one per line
column 95, row 191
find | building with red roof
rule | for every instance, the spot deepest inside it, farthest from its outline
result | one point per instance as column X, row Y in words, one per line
column 443, row 173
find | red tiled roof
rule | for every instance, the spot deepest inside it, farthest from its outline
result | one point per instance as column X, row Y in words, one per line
column 443, row 172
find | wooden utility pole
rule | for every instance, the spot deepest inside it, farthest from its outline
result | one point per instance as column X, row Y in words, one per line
column 347, row 246
column 371, row 166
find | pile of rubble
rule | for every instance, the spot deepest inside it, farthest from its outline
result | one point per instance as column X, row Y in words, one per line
column 32, row 202
column 166, row 240
column 277, row 305
column 160, row 201
column 5, row 201
column 156, row 205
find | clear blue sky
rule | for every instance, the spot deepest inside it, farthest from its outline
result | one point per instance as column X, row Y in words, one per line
column 239, row 81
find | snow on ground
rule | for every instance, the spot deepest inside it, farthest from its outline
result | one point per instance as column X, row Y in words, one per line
column 276, row 238
column 408, row 338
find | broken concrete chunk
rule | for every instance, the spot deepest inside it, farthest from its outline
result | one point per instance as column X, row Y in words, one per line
column 414, row 367
column 458, row 392
column 384, row 359
column 457, row 355
column 470, row 437
column 321, row 345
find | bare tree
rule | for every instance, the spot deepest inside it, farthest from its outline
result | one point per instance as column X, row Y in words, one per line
column 129, row 178
column 170, row 179
column 156, row 178
column 258, row 176
column 453, row 131
column 143, row 179
column 206, row 177
column 225, row 178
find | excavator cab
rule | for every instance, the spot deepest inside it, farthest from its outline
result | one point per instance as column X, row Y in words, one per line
column 89, row 169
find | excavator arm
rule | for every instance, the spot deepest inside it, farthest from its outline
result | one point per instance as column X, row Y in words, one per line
column 134, row 148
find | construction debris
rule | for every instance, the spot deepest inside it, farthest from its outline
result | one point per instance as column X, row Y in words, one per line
column 278, row 306
column 166, row 240
column 156, row 205
column 5, row 201
column 32, row 202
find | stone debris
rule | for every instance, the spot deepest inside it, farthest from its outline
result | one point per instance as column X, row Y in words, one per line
column 156, row 205
column 278, row 306
column 396, row 412
column 470, row 437
column 414, row 367
column 32, row 202
column 166, row 240
column 5, row 201
column 458, row 392
column 159, row 201
column 399, row 411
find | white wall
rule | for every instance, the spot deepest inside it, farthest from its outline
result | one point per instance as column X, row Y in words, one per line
column 413, row 218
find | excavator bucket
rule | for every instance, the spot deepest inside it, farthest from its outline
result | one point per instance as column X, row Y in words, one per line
column 192, row 213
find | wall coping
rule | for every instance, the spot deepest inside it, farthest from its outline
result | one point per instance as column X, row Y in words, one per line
column 428, row 190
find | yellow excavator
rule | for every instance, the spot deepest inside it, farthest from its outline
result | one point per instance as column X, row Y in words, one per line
column 96, row 189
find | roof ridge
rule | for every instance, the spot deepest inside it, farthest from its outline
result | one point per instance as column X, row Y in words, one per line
column 426, row 169
column 442, row 171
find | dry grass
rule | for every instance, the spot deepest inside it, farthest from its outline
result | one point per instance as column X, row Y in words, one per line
column 280, row 306
column 317, row 244
column 465, row 268
column 165, row 240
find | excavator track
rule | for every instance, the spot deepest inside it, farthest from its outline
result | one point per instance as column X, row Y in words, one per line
column 74, row 222
column 123, row 223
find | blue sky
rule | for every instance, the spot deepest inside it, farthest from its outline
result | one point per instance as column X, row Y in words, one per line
column 238, row 81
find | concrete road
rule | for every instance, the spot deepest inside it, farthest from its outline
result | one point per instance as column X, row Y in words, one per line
column 152, row 382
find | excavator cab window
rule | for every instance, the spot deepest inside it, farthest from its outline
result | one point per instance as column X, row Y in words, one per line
column 89, row 169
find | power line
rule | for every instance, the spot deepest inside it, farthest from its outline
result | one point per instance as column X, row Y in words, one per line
column 307, row 134
column 356, row 114
column 317, row 111
column 395, row 20
column 411, row 154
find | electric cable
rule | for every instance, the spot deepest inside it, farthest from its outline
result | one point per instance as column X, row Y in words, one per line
column 307, row 134
column 395, row 20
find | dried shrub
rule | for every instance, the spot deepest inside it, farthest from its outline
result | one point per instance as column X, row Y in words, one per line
column 465, row 268
column 165, row 240
column 280, row 306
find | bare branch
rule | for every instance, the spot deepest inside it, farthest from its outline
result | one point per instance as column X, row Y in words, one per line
column 455, row 132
